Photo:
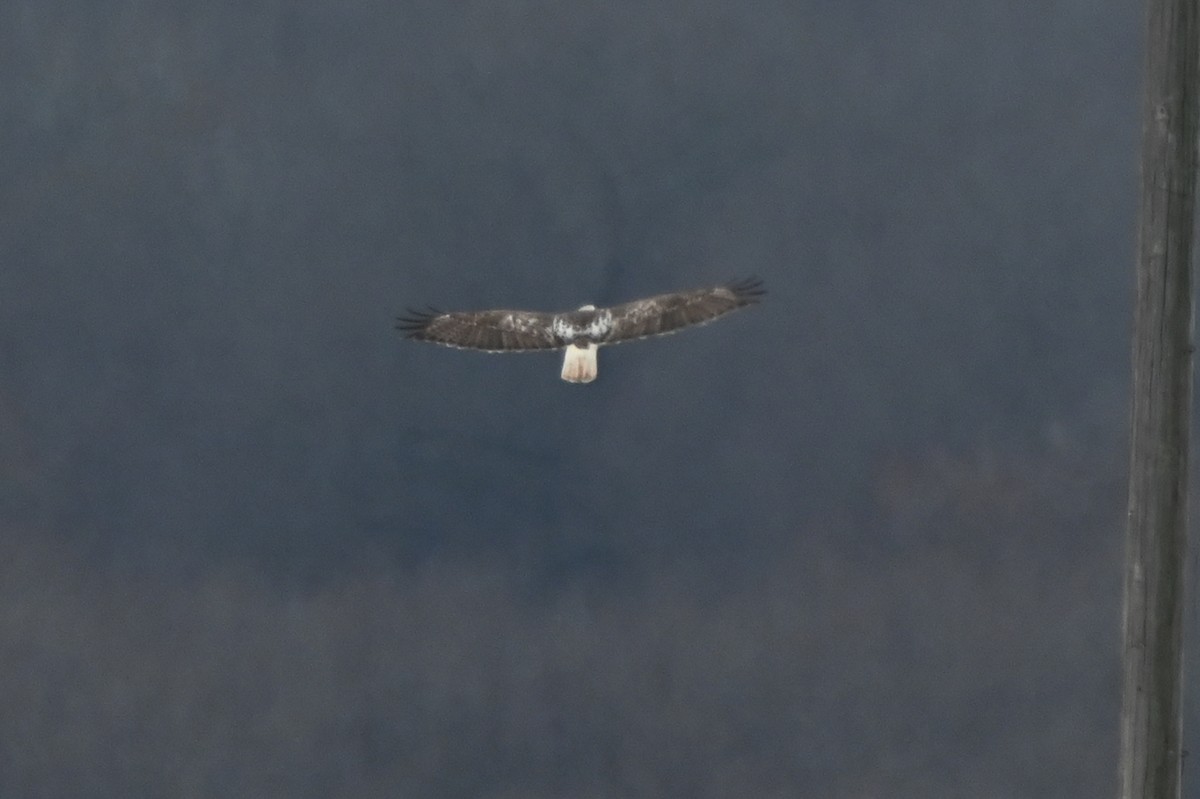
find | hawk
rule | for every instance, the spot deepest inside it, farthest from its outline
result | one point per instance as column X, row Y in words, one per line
column 580, row 332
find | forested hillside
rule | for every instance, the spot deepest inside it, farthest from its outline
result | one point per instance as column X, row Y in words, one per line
column 861, row 541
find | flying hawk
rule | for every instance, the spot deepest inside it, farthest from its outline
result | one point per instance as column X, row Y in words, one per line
column 581, row 332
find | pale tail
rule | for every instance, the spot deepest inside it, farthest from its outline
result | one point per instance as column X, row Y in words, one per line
column 579, row 364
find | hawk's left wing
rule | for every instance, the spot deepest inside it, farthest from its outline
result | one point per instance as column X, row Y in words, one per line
column 667, row 313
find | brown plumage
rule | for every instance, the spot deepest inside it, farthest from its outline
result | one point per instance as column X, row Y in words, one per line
column 581, row 331
column 668, row 313
column 491, row 331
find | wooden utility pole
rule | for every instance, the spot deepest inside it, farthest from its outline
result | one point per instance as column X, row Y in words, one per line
column 1156, row 538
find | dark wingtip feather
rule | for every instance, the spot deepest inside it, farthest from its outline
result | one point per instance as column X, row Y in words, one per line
column 416, row 321
column 748, row 289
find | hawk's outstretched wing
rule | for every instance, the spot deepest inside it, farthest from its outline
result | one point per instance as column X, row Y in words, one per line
column 523, row 331
column 493, row 331
column 667, row 313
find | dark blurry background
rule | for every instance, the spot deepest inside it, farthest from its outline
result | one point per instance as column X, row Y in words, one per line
column 862, row 541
